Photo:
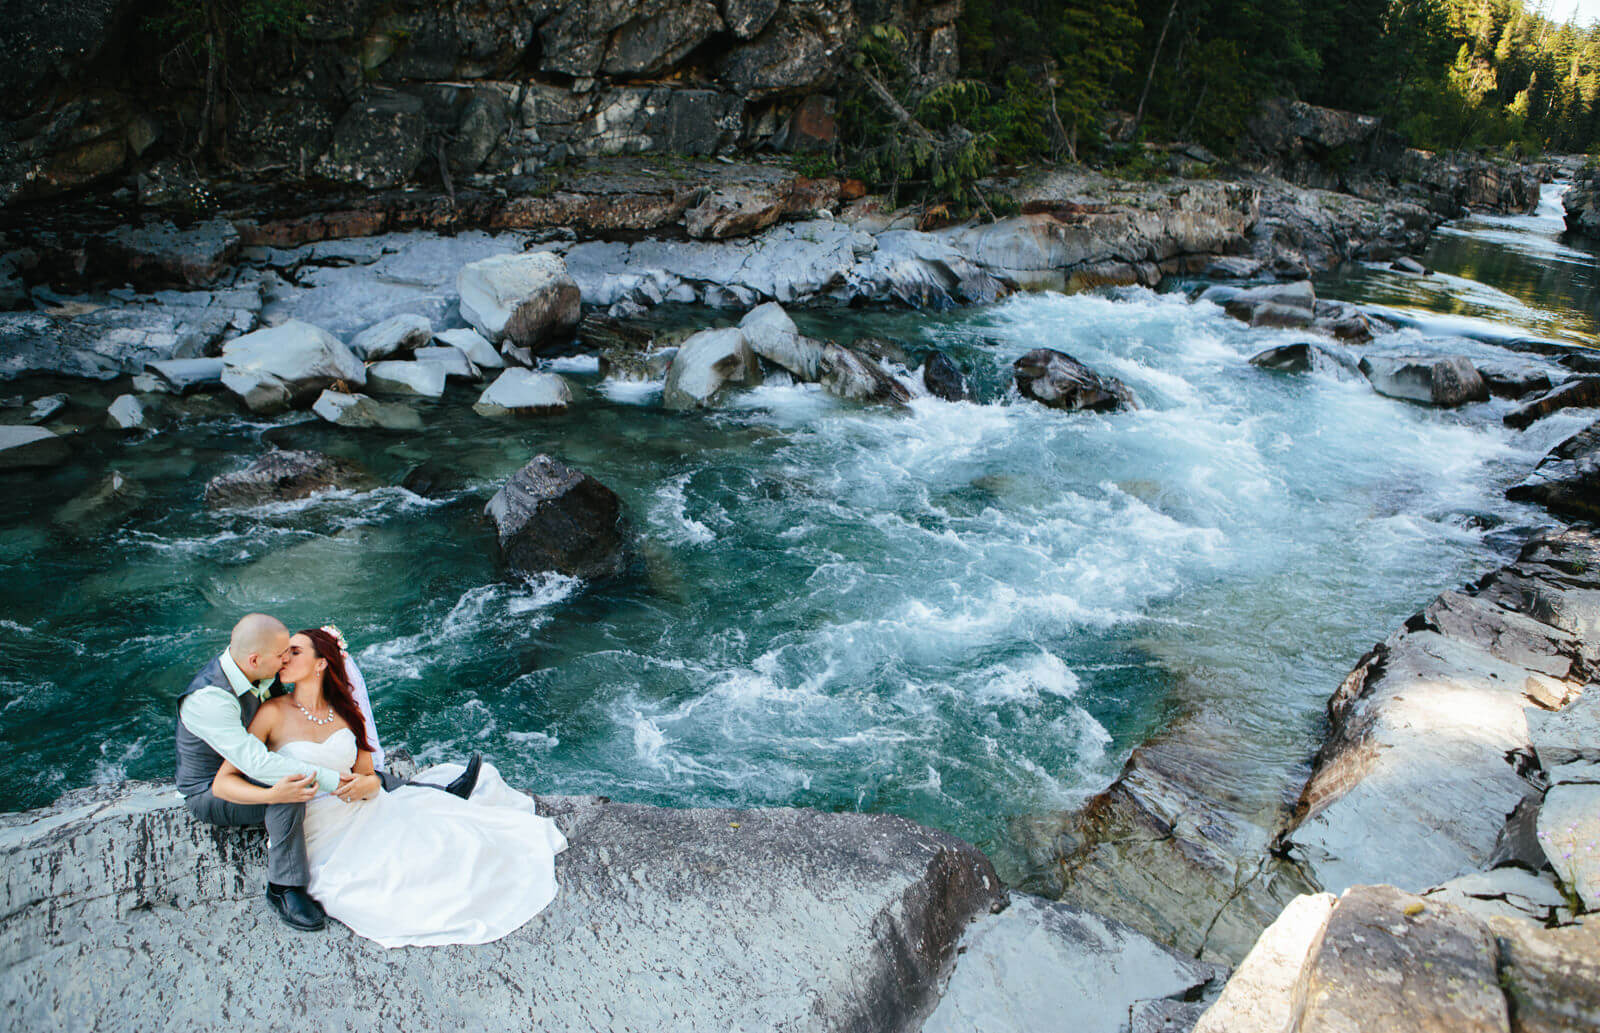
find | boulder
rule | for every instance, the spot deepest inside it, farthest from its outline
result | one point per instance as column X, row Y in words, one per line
column 1577, row 393
column 525, row 299
column 1411, row 266
column 378, row 143
column 359, row 411
column 522, row 392
column 736, row 210
column 1038, row 960
column 402, row 333
column 187, row 375
column 1512, row 379
column 1388, row 960
column 1062, row 382
column 1444, row 381
column 281, row 476
column 1275, row 304
column 287, row 365
column 23, row 447
column 1304, row 357
column 452, row 361
column 407, row 378
column 667, row 920
column 1552, row 976
column 773, row 336
column 849, row 375
column 432, row 480
column 944, row 379
column 1259, row 996
column 705, row 365
column 126, row 413
column 474, row 346
column 1567, row 480
column 551, row 517
column 41, row 409
column 1569, row 830
column 1342, row 320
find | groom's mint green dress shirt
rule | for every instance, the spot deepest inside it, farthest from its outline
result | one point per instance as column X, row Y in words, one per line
column 213, row 714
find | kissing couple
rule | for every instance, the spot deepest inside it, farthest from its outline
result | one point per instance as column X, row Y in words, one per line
column 278, row 730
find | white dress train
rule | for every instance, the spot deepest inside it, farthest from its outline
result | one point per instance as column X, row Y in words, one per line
column 419, row 867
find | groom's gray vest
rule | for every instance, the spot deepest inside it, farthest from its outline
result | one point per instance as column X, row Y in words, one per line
column 198, row 763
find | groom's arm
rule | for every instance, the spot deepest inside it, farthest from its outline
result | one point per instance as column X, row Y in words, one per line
column 214, row 716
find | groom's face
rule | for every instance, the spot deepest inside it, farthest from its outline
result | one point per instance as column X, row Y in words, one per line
column 268, row 662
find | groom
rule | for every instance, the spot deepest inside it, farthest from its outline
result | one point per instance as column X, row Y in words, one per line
column 213, row 715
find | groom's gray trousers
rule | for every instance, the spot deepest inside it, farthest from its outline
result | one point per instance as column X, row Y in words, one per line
column 286, row 850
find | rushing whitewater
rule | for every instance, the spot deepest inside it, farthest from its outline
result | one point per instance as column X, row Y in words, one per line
column 966, row 613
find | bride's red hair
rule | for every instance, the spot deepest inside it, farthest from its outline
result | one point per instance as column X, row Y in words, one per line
column 336, row 684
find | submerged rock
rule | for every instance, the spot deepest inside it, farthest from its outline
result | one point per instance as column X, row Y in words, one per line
column 1577, row 393
column 1038, row 960
column 846, row 374
column 666, row 920
column 281, row 476
column 23, row 447
column 1062, row 382
column 522, row 392
column 552, row 517
column 359, row 411
column 95, row 511
column 528, row 300
column 707, row 363
column 1444, row 381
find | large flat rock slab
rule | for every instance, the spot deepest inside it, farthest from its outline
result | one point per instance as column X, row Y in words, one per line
column 123, row 913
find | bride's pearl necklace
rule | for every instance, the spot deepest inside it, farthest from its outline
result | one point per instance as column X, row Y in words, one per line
column 314, row 719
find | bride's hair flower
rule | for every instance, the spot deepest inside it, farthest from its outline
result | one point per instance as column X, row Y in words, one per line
column 338, row 636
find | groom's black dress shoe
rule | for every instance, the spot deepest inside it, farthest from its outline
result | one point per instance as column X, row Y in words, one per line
column 462, row 786
column 296, row 907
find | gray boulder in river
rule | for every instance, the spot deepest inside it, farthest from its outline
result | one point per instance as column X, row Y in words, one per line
column 1062, row 382
column 123, row 913
column 528, row 300
column 286, row 365
column 1442, row 380
column 705, row 364
column 552, row 517
column 1567, row 481
column 852, row 376
column 944, row 379
column 281, row 476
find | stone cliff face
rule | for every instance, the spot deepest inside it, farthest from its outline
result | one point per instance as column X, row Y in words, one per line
column 375, row 95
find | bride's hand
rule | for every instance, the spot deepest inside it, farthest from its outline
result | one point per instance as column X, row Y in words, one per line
column 357, row 787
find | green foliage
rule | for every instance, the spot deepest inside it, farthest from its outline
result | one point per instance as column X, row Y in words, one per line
column 206, row 27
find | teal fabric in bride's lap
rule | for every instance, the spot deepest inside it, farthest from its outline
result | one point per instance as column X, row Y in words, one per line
column 417, row 867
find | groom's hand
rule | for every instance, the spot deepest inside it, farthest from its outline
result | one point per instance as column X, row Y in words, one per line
column 294, row 789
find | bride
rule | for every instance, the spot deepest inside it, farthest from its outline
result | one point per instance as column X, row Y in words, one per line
column 412, row 867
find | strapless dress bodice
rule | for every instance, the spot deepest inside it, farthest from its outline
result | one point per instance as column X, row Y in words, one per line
column 337, row 751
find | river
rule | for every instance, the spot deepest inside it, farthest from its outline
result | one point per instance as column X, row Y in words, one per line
column 967, row 614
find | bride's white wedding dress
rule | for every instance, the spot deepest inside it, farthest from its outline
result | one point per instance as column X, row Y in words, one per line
column 420, row 867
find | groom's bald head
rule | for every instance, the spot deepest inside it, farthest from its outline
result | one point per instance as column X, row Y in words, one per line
column 258, row 645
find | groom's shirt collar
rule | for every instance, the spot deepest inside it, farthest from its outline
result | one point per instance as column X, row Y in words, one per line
column 239, row 683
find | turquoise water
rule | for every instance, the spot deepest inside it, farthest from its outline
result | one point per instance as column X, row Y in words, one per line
column 967, row 614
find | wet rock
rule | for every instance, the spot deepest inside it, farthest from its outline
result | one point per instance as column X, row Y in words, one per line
column 734, row 211
column 474, row 346
column 774, row 336
column 41, row 409
column 1038, row 960
column 705, row 365
column 527, row 300
column 551, row 517
column 1304, row 357
column 1410, row 265
column 431, row 480
column 522, row 392
column 1259, row 996
column 1513, row 379
column 287, row 365
column 1577, row 393
column 1567, row 480
column 784, row 918
column 1062, row 382
column 359, row 411
column 186, row 375
column 402, row 333
column 1388, row 960
column 281, row 476
column 24, row 447
column 126, row 413
column 1272, row 305
column 425, row 379
column 162, row 254
column 846, row 374
column 377, row 144
column 882, row 351
column 944, row 379
column 1444, row 381
column 452, row 361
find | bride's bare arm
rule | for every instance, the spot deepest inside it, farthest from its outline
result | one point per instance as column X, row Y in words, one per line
column 231, row 785
column 366, row 784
